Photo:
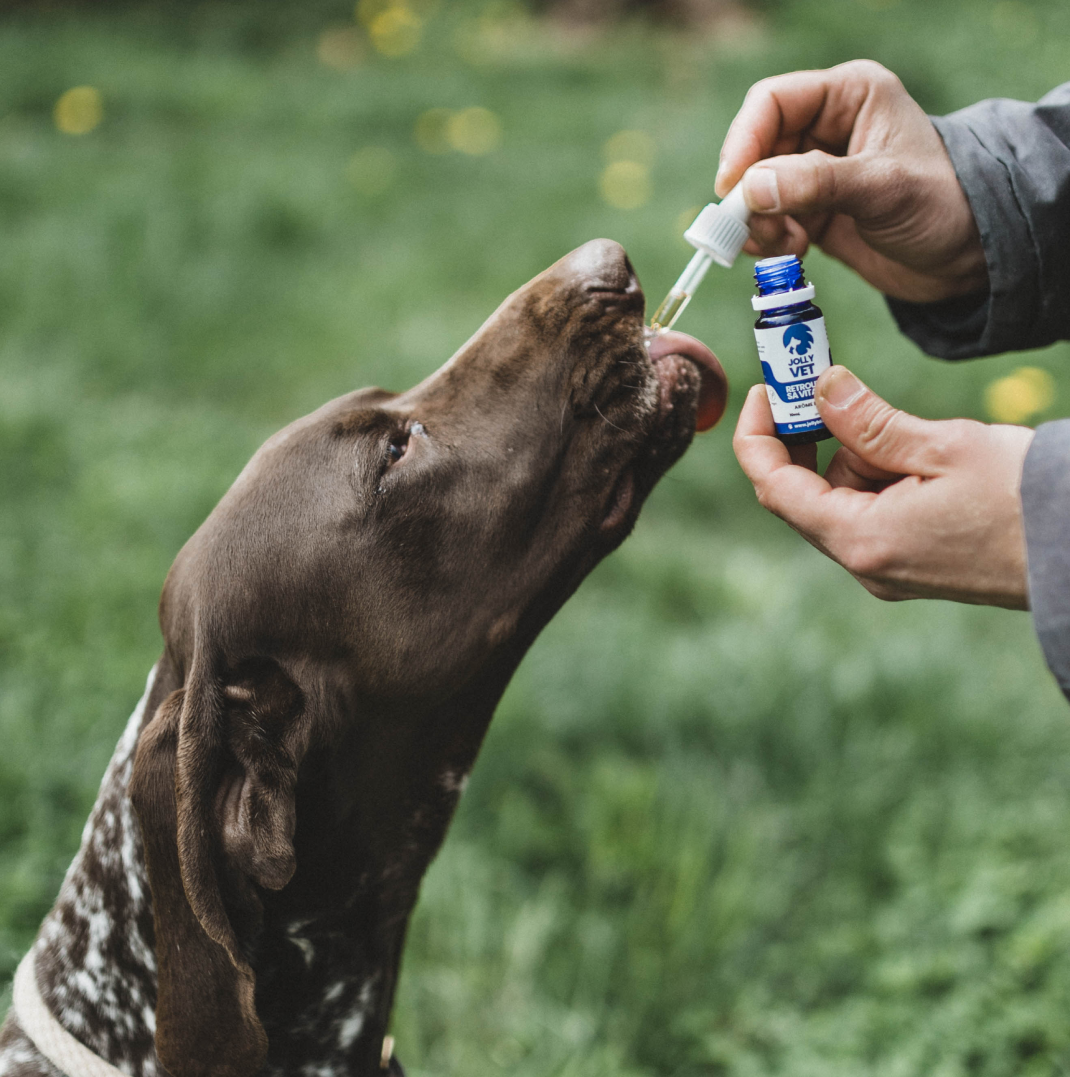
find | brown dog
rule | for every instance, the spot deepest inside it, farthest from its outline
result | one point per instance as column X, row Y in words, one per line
column 338, row 633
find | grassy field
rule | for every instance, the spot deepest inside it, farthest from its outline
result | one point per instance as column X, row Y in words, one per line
column 734, row 817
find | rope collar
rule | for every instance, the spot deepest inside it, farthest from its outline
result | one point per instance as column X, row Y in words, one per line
column 67, row 1054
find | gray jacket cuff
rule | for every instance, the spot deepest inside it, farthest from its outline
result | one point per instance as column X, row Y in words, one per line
column 1013, row 162
column 1046, row 512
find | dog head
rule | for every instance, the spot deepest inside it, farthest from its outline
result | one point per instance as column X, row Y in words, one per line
column 364, row 591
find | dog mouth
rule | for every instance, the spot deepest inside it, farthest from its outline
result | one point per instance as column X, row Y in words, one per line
column 669, row 351
column 676, row 359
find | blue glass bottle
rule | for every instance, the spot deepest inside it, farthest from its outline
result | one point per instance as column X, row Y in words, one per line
column 792, row 346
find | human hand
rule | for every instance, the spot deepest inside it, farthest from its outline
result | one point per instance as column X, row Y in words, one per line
column 911, row 508
column 846, row 159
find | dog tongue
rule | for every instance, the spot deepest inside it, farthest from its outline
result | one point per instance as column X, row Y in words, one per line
column 713, row 392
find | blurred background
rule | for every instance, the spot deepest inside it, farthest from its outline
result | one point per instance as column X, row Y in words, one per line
column 734, row 816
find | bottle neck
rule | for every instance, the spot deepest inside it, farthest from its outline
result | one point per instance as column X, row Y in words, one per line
column 779, row 300
column 776, row 275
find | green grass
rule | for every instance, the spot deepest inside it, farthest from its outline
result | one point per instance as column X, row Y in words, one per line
column 734, row 815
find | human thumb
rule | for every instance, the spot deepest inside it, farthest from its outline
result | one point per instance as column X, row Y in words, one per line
column 802, row 183
column 871, row 428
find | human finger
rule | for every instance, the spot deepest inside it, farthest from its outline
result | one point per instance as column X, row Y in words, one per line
column 839, row 237
column 767, row 232
column 788, row 489
column 877, row 433
column 804, row 183
column 774, row 236
column 847, row 469
column 778, row 110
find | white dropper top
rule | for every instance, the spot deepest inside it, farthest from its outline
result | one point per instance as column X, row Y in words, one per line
column 717, row 234
column 721, row 228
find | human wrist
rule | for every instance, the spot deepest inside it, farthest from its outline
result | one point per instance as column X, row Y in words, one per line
column 965, row 269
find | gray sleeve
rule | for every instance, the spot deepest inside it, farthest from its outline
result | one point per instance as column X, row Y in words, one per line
column 1046, row 510
column 1013, row 161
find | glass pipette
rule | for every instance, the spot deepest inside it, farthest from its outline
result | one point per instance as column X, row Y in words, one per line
column 717, row 234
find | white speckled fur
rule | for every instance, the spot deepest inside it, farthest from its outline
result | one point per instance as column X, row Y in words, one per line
column 454, row 781
column 96, row 965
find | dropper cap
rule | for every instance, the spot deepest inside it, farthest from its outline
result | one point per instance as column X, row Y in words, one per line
column 720, row 230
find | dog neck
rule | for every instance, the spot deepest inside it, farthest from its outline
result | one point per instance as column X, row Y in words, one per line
column 326, row 957
column 371, row 816
column 96, row 963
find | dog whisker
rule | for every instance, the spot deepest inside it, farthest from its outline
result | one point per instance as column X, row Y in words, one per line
column 604, row 419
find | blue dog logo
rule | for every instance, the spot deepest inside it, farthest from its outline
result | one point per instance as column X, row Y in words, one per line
column 799, row 344
column 799, row 340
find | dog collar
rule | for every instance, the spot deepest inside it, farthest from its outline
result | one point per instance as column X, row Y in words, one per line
column 69, row 1055
column 66, row 1053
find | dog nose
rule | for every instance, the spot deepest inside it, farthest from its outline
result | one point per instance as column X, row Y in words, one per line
column 601, row 266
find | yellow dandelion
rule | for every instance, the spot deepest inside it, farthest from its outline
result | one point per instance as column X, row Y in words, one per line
column 625, row 184
column 395, row 31
column 1020, row 395
column 630, row 146
column 79, row 110
column 430, row 130
column 475, row 131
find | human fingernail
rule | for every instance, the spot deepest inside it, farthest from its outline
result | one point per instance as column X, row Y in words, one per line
column 840, row 388
column 761, row 190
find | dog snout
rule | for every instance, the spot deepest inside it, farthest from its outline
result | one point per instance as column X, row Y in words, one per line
column 602, row 266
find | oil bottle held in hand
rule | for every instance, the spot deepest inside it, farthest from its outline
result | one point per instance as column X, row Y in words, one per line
column 793, row 348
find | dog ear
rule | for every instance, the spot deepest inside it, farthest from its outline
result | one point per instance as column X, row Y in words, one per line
column 213, row 786
column 265, row 742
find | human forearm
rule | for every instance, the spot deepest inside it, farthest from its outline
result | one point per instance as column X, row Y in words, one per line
column 1012, row 160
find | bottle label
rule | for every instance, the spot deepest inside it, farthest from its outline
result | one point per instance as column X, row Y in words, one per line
column 792, row 358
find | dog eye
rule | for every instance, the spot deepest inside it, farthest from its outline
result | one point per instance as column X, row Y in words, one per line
column 399, row 444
